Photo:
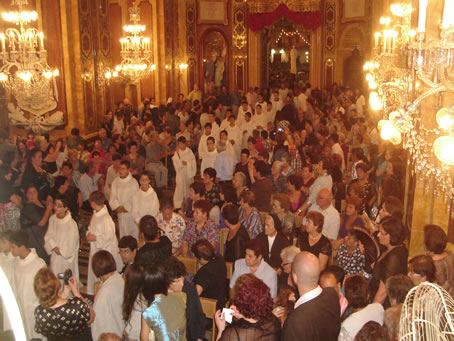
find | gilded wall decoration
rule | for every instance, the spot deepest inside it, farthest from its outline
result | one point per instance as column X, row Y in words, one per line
column 239, row 30
column 267, row 6
column 191, row 40
column 329, row 41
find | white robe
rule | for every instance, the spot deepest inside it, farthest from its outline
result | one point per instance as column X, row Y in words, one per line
column 240, row 119
column 248, row 127
column 110, row 176
column 208, row 161
column 103, row 227
column 145, row 203
column 107, row 307
column 24, row 276
column 260, row 120
column 215, row 131
column 184, row 175
column 7, row 263
column 203, row 148
column 64, row 234
column 235, row 134
column 121, row 194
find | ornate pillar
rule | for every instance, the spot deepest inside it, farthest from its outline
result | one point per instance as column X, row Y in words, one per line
column 239, row 12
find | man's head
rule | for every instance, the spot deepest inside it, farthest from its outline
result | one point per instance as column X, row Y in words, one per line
column 128, row 249
column 102, row 133
column 211, row 144
column 324, row 198
column 244, row 157
column 261, row 169
column 221, row 146
column 305, row 271
column 208, row 128
column 209, row 175
column 19, row 241
column 181, row 143
column 124, row 169
column 254, row 253
column 175, row 271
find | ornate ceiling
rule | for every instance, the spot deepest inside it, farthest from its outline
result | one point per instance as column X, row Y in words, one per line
column 266, row 6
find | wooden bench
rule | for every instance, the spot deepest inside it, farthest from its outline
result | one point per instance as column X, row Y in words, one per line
column 209, row 309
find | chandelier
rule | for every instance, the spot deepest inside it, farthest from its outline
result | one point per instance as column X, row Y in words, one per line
column 135, row 51
column 408, row 76
column 24, row 71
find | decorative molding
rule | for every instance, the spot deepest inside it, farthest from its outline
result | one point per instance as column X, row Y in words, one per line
column 209, row 12
column 267, row 6
column 239, row 43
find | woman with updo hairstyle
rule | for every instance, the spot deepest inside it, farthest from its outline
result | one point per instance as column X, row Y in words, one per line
column 249, row 215
column 312, row 240
column 252, row 318
column 421, row 268
column 435, row 241
column 393, row 261
column 281, row 207
column 211, row 279
column 55, row 309
column 165, row 316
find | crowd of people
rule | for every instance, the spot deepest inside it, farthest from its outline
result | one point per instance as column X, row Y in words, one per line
column 291, row 186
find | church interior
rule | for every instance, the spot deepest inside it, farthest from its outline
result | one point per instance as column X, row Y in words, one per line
column 67, row 64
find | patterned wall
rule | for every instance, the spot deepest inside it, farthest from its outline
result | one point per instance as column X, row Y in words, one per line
column 329, row 41
column 191, row 43
column 239, row 15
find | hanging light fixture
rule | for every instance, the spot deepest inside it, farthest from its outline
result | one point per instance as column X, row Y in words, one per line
column 135, row 50
column 24, row 71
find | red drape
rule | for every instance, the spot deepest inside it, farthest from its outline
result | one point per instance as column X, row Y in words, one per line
column 310, row 20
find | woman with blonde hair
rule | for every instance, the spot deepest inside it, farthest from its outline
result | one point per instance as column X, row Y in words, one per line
column 56, row 309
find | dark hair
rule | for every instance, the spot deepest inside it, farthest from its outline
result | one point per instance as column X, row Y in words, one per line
column 334, row 137
column 231, row 214
column 372, row 331
column 116, row 157
column 103, row 263
column 390, row 186
column 203, row 205
column 211, row 138
column 132, row 143
column 317, row 219
column 256, row 246
column 202, row 249
column 398, row 286
column 253, row 300
column 308, row 166
column 229, row 193
column 166, row 203
column 133, row 287
column 294, row 180
column 361, row 165
column 435, row 239
column 60, row 181
column 423, row 265
column 97, row 197
column 248, row 197
column 394, row 206
column 63, row 198
column 174, row 268
column 356, row 291
column 95, row 153
column 182, row 139
column 128, row 242
column 198, row 188
column 211, row 172
column 66, row 164
column 155, row 282
column 75, row 132
column 395, row 229
column 19, row 238
column 147, row 174
column 149, row 227
column 125, row 163
column 337, row 271
column 245, row 151
column 261, row 167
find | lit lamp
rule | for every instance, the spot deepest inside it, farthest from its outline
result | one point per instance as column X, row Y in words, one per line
column 445, row 118
column 388, row 132
column 444, row 149
column 375, row 102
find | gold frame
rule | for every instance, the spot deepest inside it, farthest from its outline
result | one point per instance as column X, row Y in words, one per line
column 200, row 20
column 349, row 19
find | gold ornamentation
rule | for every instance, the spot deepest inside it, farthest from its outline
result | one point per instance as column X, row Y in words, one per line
column 267, row 6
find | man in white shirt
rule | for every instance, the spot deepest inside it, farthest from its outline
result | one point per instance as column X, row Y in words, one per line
column 260, row 102
column 269, row 113
column 203, row 140
column 260, row 120
column 235, row 136
column 302, row 100
column 247, row 128
column 225, row 163
column 251, row 97
column 88, row 182
column 123, row 189
column 185, row 168
column 112, row 173
column 332, row 219
column 337, row 149
column 244, row 108
column 253, row 262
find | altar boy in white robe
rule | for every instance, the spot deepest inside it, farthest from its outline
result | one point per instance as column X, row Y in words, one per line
column 210, row 155
column 101, row 235
column 123, row 189
column 62, row 239
column 8, row 264
column 235, row 136
column 247, row 128
column 27, row 265
column 185, row 168
column 145, row 201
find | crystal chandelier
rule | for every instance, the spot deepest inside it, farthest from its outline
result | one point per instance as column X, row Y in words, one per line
column 135, row 51
column 408, row 74
column 24, row 71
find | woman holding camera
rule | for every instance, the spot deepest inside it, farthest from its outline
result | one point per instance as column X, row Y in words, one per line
column 56, row 309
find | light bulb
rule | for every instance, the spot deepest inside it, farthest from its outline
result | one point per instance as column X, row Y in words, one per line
column 445, row 118
column 373, row 84
column 375, row 102
column 444, row 149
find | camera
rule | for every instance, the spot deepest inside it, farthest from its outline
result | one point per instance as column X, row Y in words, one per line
column 65, row 276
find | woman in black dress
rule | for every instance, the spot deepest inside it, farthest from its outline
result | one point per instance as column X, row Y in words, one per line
column 273, row 241
column 34, row 218
column 211, row 279
column 235, row 246
column 312, row 240
column 393, row 261
column 35, row 174
column 58, row 317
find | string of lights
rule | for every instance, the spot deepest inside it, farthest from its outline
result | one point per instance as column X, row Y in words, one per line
column 291, row 34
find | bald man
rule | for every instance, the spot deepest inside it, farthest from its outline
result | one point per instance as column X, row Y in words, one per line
column 317, row 313
column 323, row 205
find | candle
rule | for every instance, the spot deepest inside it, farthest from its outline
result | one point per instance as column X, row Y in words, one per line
column 2, row 38
column 41, row 40
column 377, row 36
column 448, row 18
column 422, row 15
